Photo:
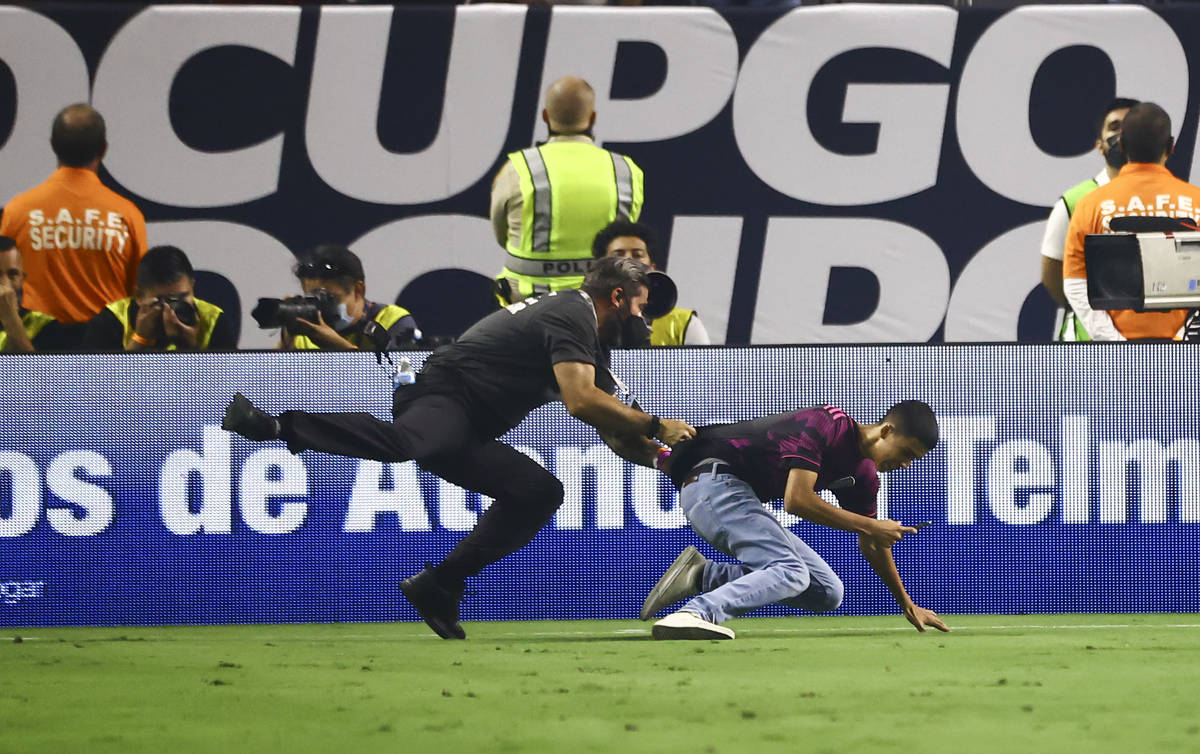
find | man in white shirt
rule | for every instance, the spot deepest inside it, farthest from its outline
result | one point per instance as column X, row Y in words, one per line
column 1066, row 326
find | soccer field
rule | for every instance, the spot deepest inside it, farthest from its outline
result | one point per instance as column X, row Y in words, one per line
column 1040, row 683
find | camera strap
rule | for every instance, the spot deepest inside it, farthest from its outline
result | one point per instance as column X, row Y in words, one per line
column 379, row 338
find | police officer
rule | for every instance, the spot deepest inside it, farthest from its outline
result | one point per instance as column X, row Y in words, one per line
column 548, row 201
column 163, row 314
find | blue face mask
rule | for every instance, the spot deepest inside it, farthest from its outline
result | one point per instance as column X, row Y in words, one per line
column 343, row 321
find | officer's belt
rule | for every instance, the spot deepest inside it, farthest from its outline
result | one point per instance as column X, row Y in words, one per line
column 548, row 268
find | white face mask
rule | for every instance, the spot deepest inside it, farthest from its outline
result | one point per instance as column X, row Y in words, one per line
column 343, row 321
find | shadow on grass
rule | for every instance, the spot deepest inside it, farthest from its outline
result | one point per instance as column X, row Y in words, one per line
column 534, row 638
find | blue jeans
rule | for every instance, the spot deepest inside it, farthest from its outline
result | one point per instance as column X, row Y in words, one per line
column 776, row 565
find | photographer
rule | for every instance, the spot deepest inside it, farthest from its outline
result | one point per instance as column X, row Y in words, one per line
column 638, row 241
column 163, row 314
column 334, row 311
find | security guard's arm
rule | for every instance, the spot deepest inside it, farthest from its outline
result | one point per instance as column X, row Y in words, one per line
column 588, row 403
column 635, row 449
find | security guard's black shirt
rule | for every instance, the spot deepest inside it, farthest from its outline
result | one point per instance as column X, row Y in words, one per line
column 504, row 364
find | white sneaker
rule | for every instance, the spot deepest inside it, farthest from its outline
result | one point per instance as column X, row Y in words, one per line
column 680, row 581
column 685, row 625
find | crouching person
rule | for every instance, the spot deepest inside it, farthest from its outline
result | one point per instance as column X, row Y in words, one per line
column 728, row 471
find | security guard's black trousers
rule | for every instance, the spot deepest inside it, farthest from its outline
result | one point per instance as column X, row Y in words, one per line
column 436, row 431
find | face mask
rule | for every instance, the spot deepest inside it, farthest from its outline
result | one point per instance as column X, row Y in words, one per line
column 343, row 320
column 635, row 333
column 1115, row 156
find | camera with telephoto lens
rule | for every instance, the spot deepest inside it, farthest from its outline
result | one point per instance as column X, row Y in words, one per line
column 276, row 312
column 663, row 294
column 185, row 310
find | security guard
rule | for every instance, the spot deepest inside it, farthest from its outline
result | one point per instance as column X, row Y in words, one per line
column 548, row 201
column 164, row 313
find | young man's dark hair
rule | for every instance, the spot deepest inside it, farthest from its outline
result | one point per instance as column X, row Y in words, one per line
column 6, row 243
column 78, row 136
column 1146, row 133
column 1120, row 103
column 611, row 273
column 331, row 262
column 619, row 228
column 163, row 265
column 915, row 419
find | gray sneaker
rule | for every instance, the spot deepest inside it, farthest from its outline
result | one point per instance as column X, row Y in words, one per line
column 680, row 581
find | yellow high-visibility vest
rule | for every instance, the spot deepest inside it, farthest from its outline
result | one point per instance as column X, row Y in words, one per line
column 206, row 321
column 570, row 191
column 33, row 322
column 386, row 317
column 670, row 329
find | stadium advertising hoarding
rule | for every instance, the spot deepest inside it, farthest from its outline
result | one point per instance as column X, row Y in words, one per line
column 1065, row 481
column 892, row 164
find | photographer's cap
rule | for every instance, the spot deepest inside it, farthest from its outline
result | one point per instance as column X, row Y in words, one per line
column 329, row 261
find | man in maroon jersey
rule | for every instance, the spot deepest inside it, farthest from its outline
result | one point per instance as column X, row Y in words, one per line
column 727, row 472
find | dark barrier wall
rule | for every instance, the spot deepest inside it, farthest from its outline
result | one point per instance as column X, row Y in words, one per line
column 1065, row 481
column 837, row 174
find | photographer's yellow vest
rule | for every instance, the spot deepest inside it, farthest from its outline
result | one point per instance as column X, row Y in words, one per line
column 670, row 329
column 33, row 322
column 570, row 190
column 385, row 318
column 206, row 321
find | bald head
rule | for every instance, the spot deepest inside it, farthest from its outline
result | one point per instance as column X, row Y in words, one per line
column 78, row 136
column 570, row 106
column 1146, row 133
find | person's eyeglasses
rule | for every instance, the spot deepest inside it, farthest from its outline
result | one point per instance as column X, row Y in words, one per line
column 319, row 270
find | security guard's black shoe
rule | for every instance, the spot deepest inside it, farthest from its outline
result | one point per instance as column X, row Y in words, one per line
column 243, row 418
column 438, row 606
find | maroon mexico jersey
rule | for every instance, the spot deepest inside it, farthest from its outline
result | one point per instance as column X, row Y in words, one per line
column 761, row 452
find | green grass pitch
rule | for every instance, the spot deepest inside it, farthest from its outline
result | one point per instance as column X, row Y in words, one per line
column 1040, row 683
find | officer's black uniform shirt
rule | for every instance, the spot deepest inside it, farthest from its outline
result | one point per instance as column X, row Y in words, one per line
column 504, row 364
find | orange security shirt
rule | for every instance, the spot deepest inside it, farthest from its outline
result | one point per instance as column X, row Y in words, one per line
column 1141, row 189
column 81, row 244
